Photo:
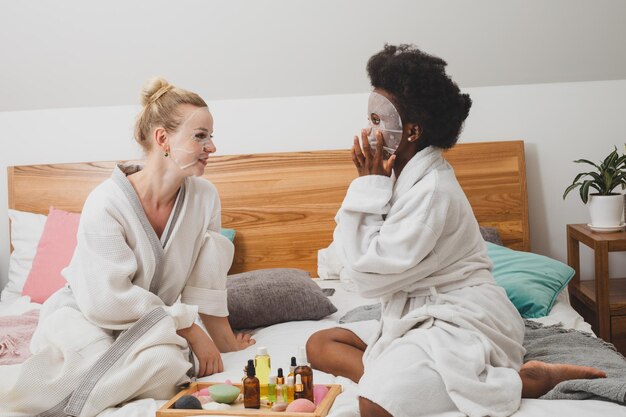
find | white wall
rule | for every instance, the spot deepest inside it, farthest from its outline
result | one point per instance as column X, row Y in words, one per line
column 558, row 122
column 76, row 53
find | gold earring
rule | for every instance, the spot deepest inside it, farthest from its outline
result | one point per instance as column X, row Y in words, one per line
column 166, row 154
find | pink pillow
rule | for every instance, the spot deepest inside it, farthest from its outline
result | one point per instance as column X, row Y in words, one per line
column 54, row 252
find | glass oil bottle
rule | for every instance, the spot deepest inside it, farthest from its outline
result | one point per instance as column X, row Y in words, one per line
column 251, row 388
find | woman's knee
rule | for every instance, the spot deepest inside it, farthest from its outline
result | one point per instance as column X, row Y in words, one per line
column 316, row 344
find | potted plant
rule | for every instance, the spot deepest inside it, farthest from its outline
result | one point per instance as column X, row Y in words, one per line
column 597, row 187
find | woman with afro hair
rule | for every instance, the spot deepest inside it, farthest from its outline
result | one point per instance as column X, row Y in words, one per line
column 449, row 340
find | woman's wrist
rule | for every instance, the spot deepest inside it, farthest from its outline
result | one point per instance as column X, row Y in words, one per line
column 189, row 333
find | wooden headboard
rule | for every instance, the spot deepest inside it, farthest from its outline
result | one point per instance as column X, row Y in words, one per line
column 282, row 205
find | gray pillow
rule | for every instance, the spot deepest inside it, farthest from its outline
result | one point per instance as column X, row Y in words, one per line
column 269, row 296
column 491, row 234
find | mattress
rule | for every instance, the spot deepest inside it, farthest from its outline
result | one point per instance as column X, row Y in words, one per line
column 284, row 339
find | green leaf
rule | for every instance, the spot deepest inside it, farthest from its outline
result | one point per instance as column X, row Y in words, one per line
column 586, row 161
column 584, row 191
column 579, row 176
column 570, row 188
column 596, row 177
column 607, row 179
column 610, row 160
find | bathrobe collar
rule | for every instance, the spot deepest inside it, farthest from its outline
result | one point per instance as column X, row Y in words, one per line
column 420, row 165
column 120, row 178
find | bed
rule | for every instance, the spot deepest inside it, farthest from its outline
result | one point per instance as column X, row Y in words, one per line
column 282, row 207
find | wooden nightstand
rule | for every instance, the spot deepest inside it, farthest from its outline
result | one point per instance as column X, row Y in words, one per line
column 601, row 301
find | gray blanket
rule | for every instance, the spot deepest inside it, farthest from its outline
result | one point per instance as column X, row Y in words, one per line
column 554, row 344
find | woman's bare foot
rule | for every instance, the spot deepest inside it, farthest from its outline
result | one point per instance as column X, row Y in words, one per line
column 539, row 377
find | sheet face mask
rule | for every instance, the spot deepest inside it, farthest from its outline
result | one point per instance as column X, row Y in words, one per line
column 190, row 143
column 384, row 117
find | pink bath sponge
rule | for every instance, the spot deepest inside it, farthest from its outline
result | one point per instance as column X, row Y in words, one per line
column 301, row 405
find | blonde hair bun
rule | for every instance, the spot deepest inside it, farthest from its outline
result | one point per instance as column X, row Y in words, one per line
column 153, row 89
column 161, row 109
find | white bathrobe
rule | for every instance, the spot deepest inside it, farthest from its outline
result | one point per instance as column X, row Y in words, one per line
column 415, row 244
column 110, row 334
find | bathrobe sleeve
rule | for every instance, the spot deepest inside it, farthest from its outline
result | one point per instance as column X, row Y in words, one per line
column 375, row 239
column 206, row 286
column 101, row 272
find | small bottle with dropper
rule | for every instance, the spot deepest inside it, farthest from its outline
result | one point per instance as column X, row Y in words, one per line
column 292, row 366
column 298, row 391
column 281, row 393
column 251, row 388
column 306, row 374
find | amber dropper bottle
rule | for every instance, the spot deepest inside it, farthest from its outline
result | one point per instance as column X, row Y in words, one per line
column 251, row 388
column 306, row 374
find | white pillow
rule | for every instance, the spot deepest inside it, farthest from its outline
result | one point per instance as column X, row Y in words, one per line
column 26, row 230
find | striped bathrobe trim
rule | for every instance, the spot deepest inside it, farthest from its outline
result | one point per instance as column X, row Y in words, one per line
column 73, row 404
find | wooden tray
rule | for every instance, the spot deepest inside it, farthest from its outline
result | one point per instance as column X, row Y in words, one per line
column 239, row 410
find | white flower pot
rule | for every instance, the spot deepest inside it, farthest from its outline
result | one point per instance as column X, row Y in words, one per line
column 606, row 210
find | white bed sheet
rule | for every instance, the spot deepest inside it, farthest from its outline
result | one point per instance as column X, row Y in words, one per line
column 283, row 340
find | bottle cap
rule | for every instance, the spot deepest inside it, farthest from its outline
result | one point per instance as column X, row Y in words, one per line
column 290, row 380
column 302, row 360
column 280, row 373
column 293, row 361
column 261, row 351
column 250, row 368
column 272, row 379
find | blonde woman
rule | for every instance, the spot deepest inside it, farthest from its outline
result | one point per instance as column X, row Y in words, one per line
column 148, row 235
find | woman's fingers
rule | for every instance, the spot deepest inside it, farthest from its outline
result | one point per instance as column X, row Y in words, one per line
column 370, row 161
column 357, row 156
column 357, row 150
column 367, row 150
column 389, row 165
column 211, row 366
column 355, row 159
column 202, row 365
column 378, row 156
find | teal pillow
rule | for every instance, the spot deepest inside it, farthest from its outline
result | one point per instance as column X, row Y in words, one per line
column 532, row 282
column 229, row 233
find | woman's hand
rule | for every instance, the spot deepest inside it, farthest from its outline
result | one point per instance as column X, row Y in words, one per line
column 368, row 163
column 244, row 340
column 209, row 357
